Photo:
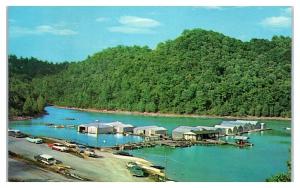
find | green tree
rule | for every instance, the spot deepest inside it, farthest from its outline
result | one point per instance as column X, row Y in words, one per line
column 40, row 103
column 265, row 110
column 28, row 106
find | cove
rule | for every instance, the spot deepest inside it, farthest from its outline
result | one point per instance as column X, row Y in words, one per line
column 267, row 157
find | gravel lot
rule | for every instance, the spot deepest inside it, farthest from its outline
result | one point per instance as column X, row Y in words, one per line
column 109, row 168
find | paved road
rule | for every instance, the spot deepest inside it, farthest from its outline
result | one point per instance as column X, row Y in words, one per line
column 21, row 171
column 110, row 168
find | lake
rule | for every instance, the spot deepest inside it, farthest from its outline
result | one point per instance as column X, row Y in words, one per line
column 267, row 157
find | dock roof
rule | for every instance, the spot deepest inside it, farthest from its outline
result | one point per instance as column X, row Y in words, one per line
column 159, row 128
column 247, row 122
column 96, row 124
column 205, row 132
column 232, row 123
column 184, row 129
column 238, row 123
column 145, row 127
column 241, row 137
column 206, row 128
column 119, row 124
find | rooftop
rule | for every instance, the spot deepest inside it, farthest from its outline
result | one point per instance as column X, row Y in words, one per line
column 153, row 127
column 205, row 132
column 189, row 133
column 241, row 137
column 159, row 128
column 206, row 128
column 247, row 122
column 119, row 124
column 96, row 124
column 238, row 123
column 185, row 129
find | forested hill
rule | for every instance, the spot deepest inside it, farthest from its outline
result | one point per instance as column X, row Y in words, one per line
column 200, row 72
column 24, row 100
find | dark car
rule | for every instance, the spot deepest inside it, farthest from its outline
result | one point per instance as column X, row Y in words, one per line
column 123, row 153
column 81, row 148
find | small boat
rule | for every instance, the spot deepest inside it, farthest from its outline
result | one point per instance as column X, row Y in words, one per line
column 123, row 153
column 59, row 126
column 70, row 126
column 287, row 128
column 69, row 118
column 49, row 124
column 158, row 167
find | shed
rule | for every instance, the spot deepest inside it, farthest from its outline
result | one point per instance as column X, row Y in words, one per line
column 190, row 136
column 150, row 131
column 241, row 138
column 96, row 128
column 227, row 130
column 206, row 134
column 178, row 133
column 120, row 127
column 141, row 130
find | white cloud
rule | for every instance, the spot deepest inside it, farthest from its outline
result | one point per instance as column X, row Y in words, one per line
column 41, row 29
column 135, row 25
column 134, row 21
column 102, row 19
column 55, row 31
column 277, row 21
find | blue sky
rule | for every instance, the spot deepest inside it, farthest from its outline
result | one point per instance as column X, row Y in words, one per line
column 72, row 33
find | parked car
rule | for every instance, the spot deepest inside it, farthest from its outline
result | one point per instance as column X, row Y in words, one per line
column 13, row 132
column 34, row 140
column 59, row 147
column 90, row 153
column 45, row 159
column 70, row 144
column 124, row 153
column 136, row 170
column 16, row 134
column 81, row 148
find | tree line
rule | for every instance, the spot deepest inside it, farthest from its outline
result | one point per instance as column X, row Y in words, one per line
column 200, row 72
column 24, row 100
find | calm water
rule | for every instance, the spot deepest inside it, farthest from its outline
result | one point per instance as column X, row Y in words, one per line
column 268, row 156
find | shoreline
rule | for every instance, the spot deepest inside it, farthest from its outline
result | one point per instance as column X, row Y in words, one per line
column 22, row 118
column 158, row 114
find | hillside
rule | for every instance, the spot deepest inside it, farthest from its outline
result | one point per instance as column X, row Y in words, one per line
column 200, row 72
column 23, row 99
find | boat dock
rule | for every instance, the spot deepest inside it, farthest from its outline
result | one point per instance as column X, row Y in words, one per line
column 170, row 143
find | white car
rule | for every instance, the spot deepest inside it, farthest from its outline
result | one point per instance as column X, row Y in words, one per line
column 59, row 147
column 46, row 159
column 70, row 144
column 34, row 140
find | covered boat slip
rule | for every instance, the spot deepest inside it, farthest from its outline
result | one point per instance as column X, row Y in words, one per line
column 120, row 127
column 95, row 128
column 150, row 131
column 212, row 132
column 194, row 133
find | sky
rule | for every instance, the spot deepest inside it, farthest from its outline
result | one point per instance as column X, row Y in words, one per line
column 60, row 34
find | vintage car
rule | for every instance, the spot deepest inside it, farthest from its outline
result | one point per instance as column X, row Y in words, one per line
column 35, row 140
